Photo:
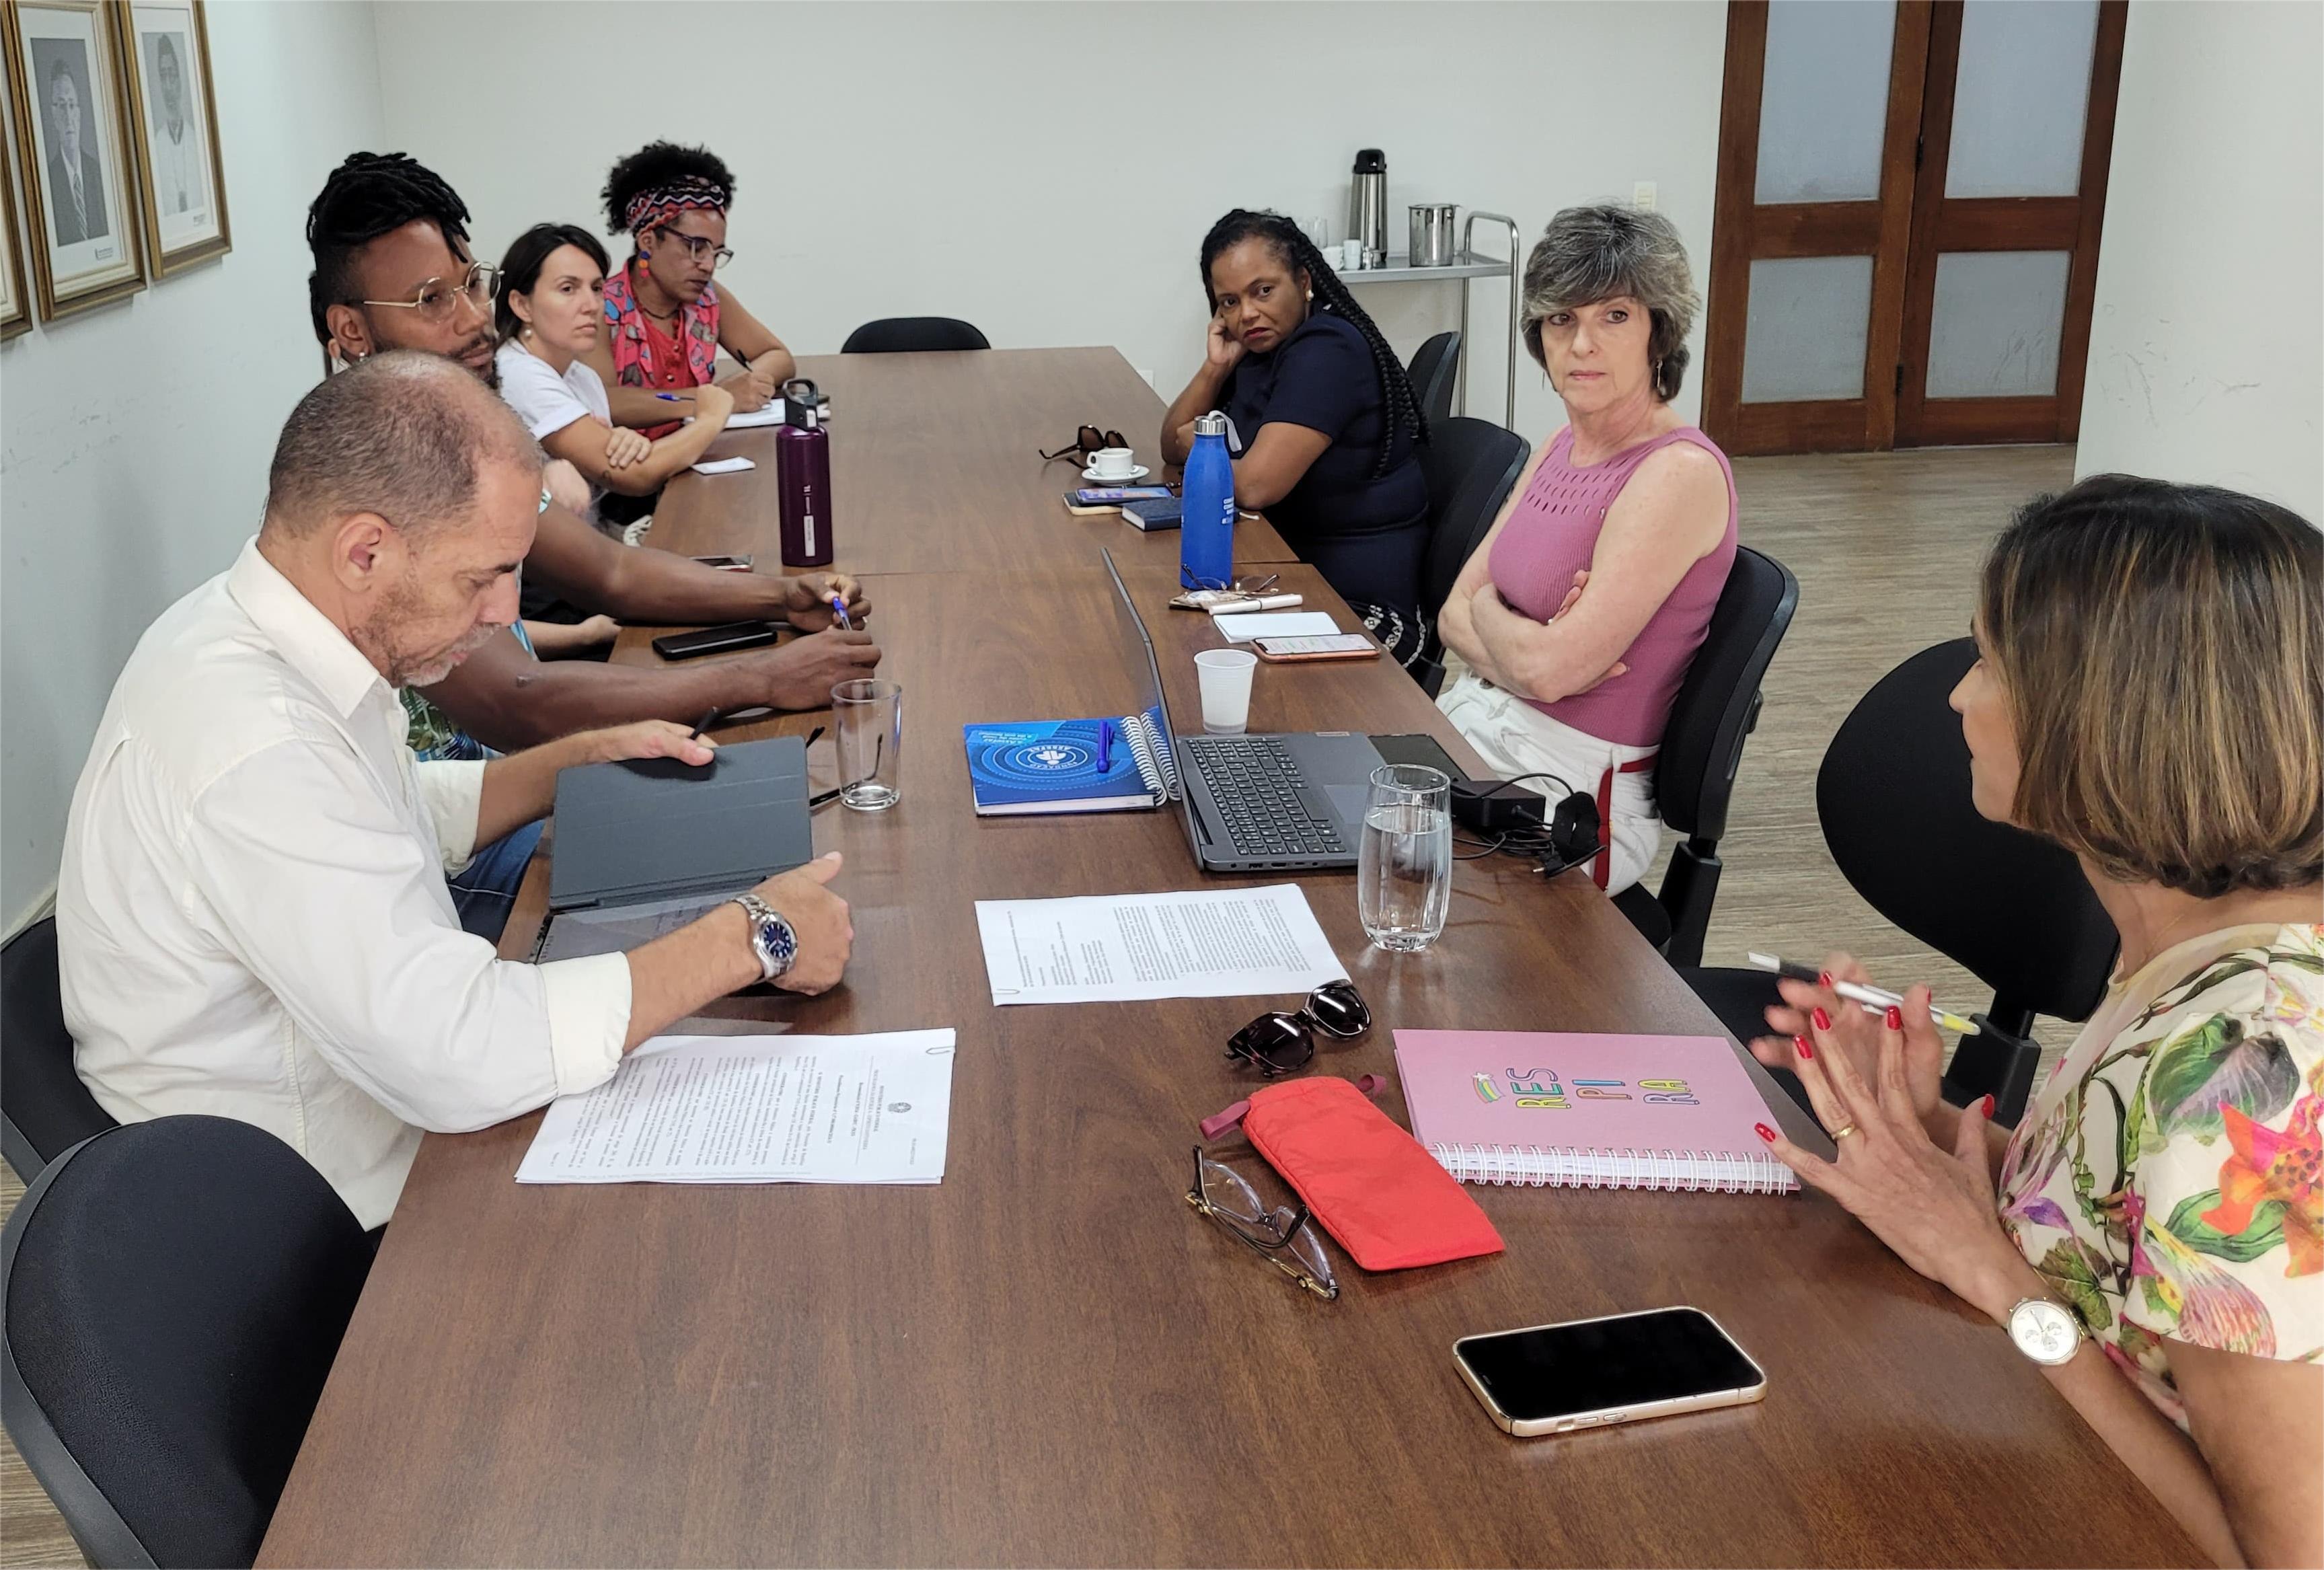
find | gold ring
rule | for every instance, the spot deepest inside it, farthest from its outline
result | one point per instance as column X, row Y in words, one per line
column 1840, row 1135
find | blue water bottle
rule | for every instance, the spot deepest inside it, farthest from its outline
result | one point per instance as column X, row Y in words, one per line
column 1208, row 517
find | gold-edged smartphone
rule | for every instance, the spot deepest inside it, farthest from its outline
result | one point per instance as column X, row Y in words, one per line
column 1623, row 1368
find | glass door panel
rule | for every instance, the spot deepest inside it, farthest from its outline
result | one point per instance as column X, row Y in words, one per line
column 1824, row 100
column 1995, row 328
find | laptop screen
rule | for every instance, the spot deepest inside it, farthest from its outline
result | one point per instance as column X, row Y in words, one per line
column 1142, row 647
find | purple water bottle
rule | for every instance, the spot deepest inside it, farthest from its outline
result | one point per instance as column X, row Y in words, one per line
column 803, row 475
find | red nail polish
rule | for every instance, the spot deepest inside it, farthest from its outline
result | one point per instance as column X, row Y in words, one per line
column 1988, row 1109
column 1823, row 979
column 1764, row 1131
column 1822, row 1020
column 1896, row 1018
column 1800, row 1045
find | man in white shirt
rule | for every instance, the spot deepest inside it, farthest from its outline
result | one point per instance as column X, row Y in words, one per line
column 252, row 916
column 177, row 166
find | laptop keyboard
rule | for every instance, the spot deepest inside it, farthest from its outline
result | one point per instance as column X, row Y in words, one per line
column 1255, row 786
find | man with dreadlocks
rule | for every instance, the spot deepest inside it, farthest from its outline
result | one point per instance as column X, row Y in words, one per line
column 665, row 320
column 1321, row 420
column 393, row 270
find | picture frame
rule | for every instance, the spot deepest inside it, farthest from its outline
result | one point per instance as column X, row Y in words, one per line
column 15, row 304
column 81, row 202
column 173, row 112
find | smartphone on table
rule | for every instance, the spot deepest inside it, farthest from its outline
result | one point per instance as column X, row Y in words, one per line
column 727, row 563
column 1329, row 646
column 1625, row 1368
column 723, row 640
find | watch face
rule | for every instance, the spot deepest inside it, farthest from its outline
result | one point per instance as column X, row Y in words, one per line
column 2043, row 1330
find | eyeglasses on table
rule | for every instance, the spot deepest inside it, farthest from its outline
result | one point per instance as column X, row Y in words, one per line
column 1285, row 1237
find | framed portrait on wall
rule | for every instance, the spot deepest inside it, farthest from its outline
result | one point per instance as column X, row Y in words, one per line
column 175, row 121
column 80, row 197
column 15, row 305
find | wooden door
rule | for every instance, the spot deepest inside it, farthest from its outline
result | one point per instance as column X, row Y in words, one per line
column 2017, row 127
column 1868, row 289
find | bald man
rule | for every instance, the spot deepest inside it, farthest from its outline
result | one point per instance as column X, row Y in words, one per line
column 252, row 916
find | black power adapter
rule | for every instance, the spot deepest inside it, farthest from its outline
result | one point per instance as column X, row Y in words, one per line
column 1498, row 806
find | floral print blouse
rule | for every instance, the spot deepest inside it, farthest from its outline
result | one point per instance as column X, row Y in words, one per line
column 2165, row 1183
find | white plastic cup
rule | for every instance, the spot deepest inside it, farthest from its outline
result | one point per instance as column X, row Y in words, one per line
column 1351, row 255
column 1225, row 677
column 1112, row 463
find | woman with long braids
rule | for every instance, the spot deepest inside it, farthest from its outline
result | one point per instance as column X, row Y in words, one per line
column 1579, row 611
column 665, row 320
column 1321, row 420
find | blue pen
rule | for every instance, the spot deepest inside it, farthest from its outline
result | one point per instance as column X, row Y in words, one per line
column 675, row 398
column 839, row 611
column 1104, row 746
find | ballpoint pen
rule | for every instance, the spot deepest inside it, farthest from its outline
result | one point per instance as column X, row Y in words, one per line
column 1874, row 1000
column 1104, row 746
column 839, row 614
column 704, row 723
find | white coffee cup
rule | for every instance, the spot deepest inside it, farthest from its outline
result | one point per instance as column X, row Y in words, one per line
column 1112, row 463
column 1225, row 676
column 1351, row 255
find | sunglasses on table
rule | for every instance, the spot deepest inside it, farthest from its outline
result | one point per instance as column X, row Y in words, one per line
column 1284, row 1237
column 1088, row 441
column 1281, row 1043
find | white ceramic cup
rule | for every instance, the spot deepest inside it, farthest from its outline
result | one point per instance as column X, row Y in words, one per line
column 1351, row 255
column 1112, row 463
column 1225, row 677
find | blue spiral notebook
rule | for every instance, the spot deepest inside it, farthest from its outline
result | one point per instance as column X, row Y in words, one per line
column 1052, row 766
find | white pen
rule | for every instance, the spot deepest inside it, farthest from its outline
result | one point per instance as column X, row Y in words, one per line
column 1874, row 1000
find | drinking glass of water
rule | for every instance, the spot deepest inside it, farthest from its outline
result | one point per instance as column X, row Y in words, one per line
column 870, row 718
column 1403, row 863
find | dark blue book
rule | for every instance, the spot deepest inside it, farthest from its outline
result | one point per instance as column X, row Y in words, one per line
column 1154, row 516
column 1052, row 765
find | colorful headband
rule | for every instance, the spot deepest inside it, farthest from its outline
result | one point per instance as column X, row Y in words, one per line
column 658, row 205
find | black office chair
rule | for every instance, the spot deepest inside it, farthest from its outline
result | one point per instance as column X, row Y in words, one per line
column 1717, row 707
column 1434, row 366
column 1893, row 796
column 1471, row 465
column 175, row 1291
column 44, row 1108
column 910, row 335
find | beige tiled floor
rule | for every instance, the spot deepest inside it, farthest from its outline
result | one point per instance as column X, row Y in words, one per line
column 1886, row 547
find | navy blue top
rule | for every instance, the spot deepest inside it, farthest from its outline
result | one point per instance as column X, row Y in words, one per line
column 1322, row 378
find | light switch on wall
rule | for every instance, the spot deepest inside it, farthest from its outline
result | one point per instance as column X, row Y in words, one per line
column 1642, row 195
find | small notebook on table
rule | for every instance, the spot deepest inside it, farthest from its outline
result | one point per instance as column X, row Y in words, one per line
column 1054, row 766
column 1588, row 1111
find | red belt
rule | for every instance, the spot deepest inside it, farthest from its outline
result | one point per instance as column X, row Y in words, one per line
column 1602, row 868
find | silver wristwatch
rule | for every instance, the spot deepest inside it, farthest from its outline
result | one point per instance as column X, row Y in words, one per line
column 772, row 937
column 2046, row 1330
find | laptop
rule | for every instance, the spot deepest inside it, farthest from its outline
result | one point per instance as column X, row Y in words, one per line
column 1292, row 802
column 646, row 845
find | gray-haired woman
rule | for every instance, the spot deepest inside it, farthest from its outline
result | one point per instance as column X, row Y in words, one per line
column 1579, row 613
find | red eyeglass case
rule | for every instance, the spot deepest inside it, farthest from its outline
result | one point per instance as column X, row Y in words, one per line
column 1370, row 1184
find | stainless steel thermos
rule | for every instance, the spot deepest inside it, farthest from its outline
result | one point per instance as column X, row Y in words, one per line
column 1368, row 206
column 803, row 475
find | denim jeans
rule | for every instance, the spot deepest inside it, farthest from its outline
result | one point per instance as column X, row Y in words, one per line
column 484, row 891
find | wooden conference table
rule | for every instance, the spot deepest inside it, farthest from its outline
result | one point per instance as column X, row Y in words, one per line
column 1048, row 1358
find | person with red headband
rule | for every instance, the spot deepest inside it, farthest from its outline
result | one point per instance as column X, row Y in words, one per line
column 665, row 320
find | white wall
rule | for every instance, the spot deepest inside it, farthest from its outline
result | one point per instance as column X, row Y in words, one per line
column 1048, row 171
column 135, row 439
column 2207, row 344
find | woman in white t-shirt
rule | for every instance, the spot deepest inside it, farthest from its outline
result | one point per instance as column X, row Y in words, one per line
column 550, row 311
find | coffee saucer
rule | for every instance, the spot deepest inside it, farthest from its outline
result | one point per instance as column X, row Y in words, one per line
column 1137, row 473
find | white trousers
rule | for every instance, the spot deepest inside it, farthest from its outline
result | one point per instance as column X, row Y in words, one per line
column 1516, row 738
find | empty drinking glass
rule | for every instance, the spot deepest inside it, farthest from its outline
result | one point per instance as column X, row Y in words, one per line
column 868, row 716
column 1403, row 863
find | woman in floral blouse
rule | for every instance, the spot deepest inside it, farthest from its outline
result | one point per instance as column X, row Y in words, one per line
column 2150, row 695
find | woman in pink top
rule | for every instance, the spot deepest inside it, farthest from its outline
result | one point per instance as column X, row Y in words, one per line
column 1579, row 614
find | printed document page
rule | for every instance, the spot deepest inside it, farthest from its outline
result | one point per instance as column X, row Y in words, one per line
column 757, row 1109
column 1207, row 943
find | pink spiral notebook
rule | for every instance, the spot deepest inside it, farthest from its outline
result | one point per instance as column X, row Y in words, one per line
column 1588, row 1111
